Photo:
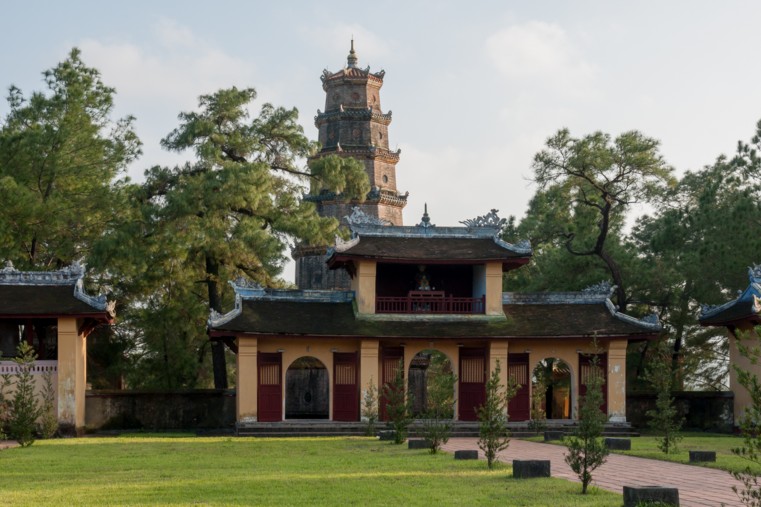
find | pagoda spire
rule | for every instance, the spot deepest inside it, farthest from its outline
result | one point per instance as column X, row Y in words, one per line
column 352, row 58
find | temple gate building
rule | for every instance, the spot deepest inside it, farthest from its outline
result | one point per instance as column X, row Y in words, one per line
column 415, row 290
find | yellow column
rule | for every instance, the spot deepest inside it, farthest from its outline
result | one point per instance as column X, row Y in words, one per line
column 72, row 375
column 494, row 289
column 368, row 369
column 246, row 380
column 363, row 285
column 617, row 380
column 498, row 352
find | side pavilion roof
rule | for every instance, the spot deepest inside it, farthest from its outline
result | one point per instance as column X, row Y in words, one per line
column 746, row 308
column 49, row 294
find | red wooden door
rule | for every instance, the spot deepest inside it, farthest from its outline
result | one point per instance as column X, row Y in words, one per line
column 519, row 408
column 345, row 387
column 391, row 359
column 270, row 392
column 472, row 382
column 585, row 369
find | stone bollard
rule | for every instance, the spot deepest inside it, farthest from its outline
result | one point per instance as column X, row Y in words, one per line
column 386, row 435
column 553, row 435
column 660, row 495
column 418, row 443
column 702, row 456
column 466, row 454
column 530, row 468
column 618, row 444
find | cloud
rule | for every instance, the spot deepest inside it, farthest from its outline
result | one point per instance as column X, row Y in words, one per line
column 539, row 52
column 162, row 76
column 335, row 40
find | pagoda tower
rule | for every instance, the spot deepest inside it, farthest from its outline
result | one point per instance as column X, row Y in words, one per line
column 352, row 125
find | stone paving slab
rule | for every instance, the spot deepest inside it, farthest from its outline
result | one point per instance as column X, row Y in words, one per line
column 698, row 486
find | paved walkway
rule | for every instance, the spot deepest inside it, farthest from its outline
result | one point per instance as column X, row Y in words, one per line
column 698, row 486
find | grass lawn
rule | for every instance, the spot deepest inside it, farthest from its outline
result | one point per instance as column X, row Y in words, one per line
column 647, row 447
column 181, row 470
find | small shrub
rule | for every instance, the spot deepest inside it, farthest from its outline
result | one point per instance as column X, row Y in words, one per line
column 538, row 421
column 586, row 448
column 440, row 381
column 5, row 405
column 25, row 408
column 665, row 420
column 398, row 405
column 370, row 408
column 49, row 419
column 493, row 433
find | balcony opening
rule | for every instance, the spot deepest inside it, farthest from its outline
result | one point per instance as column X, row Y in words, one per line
column 434, row 288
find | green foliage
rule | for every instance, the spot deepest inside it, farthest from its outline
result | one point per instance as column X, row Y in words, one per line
column 370, row 408
column 493, row 433
column 48, row 425
column 586, row 448
column 586, row 187
column 440, row 385
column 25, row 409
column 398, row 404
column 60, row 155
column 750, row 494
column 234, row 210
column 665, row 420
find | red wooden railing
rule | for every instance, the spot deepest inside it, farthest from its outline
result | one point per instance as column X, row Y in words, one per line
column 429, row 302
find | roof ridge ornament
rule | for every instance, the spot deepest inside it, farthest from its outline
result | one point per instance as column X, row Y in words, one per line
column 359, row 217
column 754, row 273
column 491, row 219
column 603, row 287
column 425, row 222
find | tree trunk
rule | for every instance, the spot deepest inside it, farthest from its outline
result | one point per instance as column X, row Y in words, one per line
column 217, row 347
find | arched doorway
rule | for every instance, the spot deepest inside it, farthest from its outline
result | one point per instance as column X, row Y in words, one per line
column 307, row 389
column 551, row 380
column 425, row 383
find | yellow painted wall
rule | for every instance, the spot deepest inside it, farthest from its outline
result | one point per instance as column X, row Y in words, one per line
column 494, row 289
column 246, row 382
column 363, row 285
column 323, row 350
column 617, row 380
column 448, row 348
column 498, row 352
column 567, row 350
column 742, row 396
column 72, row 374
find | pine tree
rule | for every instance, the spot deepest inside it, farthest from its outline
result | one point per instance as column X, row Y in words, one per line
column 49, row 414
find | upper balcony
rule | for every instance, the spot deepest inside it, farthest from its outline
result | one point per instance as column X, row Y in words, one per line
column 430, row 302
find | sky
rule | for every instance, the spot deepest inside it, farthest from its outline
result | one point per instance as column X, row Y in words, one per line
column 475, row 87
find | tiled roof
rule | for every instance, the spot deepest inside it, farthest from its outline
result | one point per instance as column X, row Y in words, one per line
column 265, row 315
column 747, row 307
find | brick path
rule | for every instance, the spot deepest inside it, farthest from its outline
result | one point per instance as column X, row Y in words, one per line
column 698, row 486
